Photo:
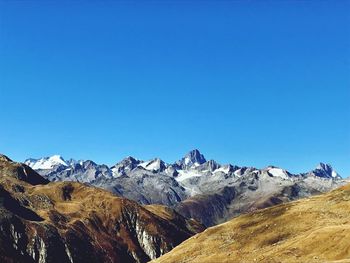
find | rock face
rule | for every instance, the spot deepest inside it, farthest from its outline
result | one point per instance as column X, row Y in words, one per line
column 325, row 171
column 205, row 190
column 72, row 222
column 193, row 158
column 254, row 190
column 315, row 229
column 145, row 187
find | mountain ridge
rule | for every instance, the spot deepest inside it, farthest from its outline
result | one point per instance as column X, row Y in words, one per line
column 44, row 221
column 192, row 158
column 198, row 188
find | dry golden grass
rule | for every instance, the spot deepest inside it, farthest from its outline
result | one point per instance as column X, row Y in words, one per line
column 315, row 229
column 172, row 216
column 80, row 202
column 161, row 210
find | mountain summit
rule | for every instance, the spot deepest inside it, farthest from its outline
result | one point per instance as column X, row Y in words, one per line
column 325, row 171
column 194, row 157
column 46, row 162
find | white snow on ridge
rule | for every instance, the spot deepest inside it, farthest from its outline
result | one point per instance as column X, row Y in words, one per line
column 144, row 164
column 237, row 173
column 183, row 175
column 151, row 165
column 48, row 163
column 222, row 169
column 278, row 172
column 115, row 172
column 334, row 174
column 154, row 165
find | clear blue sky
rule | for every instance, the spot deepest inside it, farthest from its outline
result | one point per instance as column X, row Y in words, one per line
column 250, row 83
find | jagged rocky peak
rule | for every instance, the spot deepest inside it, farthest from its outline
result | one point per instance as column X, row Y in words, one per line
column 232, row 168
column 194, row 157
column 126, row 165
column 156, row 165
column 171, row 171
column 128, row 162
column 88, row 164
column 325, row 171
column 325, row 167
column 212, row 165
column 275, row 171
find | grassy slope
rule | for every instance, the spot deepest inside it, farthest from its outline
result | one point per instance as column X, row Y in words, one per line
column 315, row 229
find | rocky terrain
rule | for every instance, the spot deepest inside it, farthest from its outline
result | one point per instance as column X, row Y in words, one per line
column 42, row 221
column 197, row 188
column 315, row 229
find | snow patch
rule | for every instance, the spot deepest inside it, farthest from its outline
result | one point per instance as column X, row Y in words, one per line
column 334, row 174
column 151, row 165
column 277, row 172
column 223, row 170
column 48, row 163
column 184, row 174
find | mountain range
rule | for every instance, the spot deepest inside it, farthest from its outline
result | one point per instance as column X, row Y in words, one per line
column 205, row 190
column 77, row 211
column 42, row 221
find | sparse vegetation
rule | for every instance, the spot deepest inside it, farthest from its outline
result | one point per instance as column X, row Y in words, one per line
column 314, row 229
column 69, row 221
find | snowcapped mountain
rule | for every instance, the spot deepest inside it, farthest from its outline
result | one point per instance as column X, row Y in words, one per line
column 218, row 191
column 125, row 166
column 278, row 172
column 46, row 162
column 193, row 158
column 55, row 168
column 156, row 165
column 325, row 171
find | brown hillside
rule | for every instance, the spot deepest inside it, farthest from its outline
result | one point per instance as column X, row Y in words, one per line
column 315, row 229
column 72, row 222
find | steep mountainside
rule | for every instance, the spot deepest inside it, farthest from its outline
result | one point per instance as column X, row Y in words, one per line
column 254, row 191
column 310, row 230
column 205, row 190
column 72, row 222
